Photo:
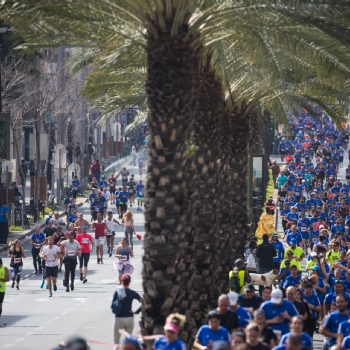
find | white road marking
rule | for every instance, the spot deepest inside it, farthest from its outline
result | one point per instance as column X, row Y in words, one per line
column 56, row 318
column 79, row 299
column 7, row 346
column 48, row 322
column 29, row 334
column 39, row 328
column 41, row 299
column 19, row 339
column 63, row 313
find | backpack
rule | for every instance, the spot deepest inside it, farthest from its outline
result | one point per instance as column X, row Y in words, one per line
column 117, row 304
column 251, row 262
column 234, row 283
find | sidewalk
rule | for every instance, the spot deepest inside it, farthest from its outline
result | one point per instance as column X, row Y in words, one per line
column 23, row 234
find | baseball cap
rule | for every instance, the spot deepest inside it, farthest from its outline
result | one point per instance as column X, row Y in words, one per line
column 321, row 226
column 287, row 262
column 125, row 277
column 315, row 268
column 313, row 254
column 293, row 241
column 239, row 263
column 276, row 296
column 233, row 298
column 274, row 234
column 172, row 327
column 249, row 288
column 131, row 339
column 50, row 213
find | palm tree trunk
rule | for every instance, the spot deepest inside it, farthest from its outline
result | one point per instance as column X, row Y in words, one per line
column 168, row 264
column 206, row 133
column 232, row 192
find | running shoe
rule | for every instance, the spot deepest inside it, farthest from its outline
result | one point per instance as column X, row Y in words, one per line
column 50, row 294
column 98, row 260
column 108, row 250
column 35, row 272
column 40, row 271
column 101, row 261
column 17, row 287
column 13, row 285
column 55, row 287
column 42, row 285
column 67, row 289
column 85, row 280
column 110, row 254
column 72, row 287
column 81, row 277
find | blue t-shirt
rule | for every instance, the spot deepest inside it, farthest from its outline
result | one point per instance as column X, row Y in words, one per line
column 346, row 343
column 123, row 200
column 37, row 240
column 75, row 184
column 96, row 204
column 313, row 300
column 243, row 317
column 280, row 251
column 331, row 323
column 162, row 344
column 292, row 281
column 3, row 211
column 297, row 236
column 344, row 328
column 305, row 338
column 205, row 335
column 140, row 190
column 272, row 311
column 47, row 220
column 102, row 184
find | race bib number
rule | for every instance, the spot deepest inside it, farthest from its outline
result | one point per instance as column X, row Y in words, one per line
column 85, row 240
column 141, row 193
column 303, row 229
column 282, row 199
column 131, row 191
column 37, row 245
column 17, row 260
column 123, row 257
column 314, row 239
column 97, row 209
column 75, row 188
column 297, row 194
column 50, row 262
column 71, row 253
column 284, row 217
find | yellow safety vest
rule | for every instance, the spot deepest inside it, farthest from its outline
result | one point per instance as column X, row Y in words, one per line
column 2, row 277
column 241, row 278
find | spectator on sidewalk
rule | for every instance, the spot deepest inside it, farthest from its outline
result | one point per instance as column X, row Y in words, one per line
column 31, row 168
column 4, row 223
column 265, row 253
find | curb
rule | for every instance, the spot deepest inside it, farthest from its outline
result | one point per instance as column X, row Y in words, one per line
column 31, row 231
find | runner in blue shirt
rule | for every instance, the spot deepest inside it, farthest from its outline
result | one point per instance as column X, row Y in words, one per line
column 294, row 279
column 314, row 305
column 343, row 333
column 332, row 321
column 75, row 186
column 207, row 334
column 279, row 312
column 293, row 216
column 279, row 250
column 294, row 237
column 140, row 195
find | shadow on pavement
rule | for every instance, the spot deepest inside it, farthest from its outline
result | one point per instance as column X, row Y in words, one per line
column 10, row 320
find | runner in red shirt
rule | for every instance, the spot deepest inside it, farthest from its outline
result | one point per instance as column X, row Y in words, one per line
column 86, row 243
column 100, row 229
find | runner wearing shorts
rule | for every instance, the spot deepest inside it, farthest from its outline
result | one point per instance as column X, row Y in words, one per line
column 51, row 254
column 100, row 228
column 140, row 195
column 86, row 243
column 110, row 232
column 117, row 202
column 123, row 200
column 112, row 181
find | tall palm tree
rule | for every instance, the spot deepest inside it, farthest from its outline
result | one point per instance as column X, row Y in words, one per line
column 174, row 35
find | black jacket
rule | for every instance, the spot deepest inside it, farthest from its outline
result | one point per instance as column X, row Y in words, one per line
column 266, row 252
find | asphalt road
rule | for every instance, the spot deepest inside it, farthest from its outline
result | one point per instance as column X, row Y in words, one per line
column 35, row 321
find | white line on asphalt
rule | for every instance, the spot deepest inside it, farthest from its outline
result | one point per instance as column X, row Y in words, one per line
column 26, row 275
column 39, row 328
column 56, row 318
column 63, row 313
column 29, row 334
column 7, row 346
column 19, row 339
column 41, row 299
column 48, row 322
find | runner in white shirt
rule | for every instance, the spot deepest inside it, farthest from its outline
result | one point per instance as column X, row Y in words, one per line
column 110, row 233
column 51, row 254
column 56, row 220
